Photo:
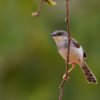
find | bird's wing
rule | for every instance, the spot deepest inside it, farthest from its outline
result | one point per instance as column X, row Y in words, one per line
column 75, row 43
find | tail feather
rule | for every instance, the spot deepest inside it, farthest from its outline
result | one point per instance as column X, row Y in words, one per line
column 88, row 73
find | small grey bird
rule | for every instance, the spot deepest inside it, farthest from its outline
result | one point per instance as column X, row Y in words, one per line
column 76, row 54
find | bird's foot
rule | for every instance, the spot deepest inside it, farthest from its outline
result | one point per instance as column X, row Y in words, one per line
column 65, row 77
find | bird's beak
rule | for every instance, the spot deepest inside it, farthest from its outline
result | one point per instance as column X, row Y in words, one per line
column 52, row 35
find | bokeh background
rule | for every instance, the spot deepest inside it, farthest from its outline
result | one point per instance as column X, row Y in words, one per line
column 30, row 66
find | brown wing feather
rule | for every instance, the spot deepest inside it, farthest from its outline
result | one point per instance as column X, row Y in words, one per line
column 75, row 43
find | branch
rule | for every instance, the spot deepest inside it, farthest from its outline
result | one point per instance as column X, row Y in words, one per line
column 37, row 13
column 50, row 2
column 69, row 39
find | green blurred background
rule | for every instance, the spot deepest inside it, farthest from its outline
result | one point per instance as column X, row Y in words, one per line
column 30, row 66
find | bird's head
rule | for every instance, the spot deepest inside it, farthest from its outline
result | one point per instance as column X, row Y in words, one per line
column 59, row 35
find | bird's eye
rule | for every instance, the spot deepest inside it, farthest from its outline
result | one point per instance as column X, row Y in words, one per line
column 59, row 34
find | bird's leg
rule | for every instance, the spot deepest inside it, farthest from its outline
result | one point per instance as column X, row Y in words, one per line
column 73, row 66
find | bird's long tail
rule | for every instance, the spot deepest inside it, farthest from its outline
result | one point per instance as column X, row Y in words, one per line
column 88, row 73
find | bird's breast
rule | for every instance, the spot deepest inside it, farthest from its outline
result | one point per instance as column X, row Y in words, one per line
column 75, row 54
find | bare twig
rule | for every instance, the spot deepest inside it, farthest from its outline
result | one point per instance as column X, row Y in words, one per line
column 37, row 13
column 69, row 38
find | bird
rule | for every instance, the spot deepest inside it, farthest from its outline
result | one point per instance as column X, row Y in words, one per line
column 77, row 55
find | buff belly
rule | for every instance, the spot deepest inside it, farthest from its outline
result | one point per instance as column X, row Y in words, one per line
column 75, row 56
